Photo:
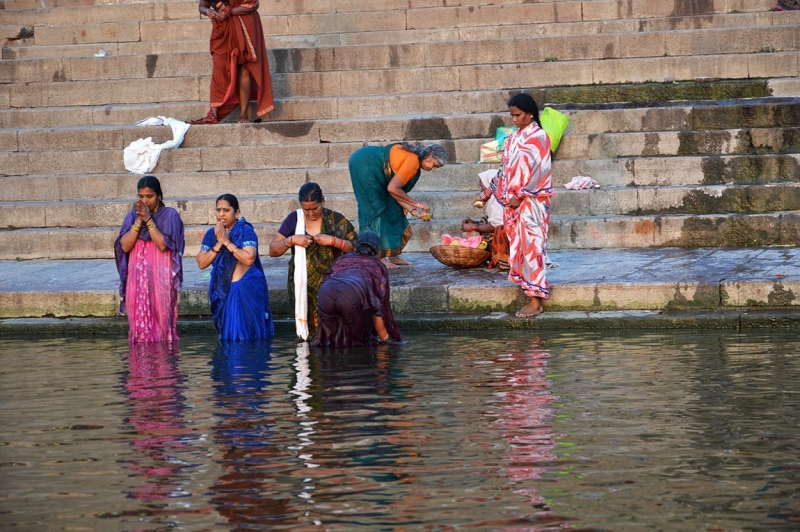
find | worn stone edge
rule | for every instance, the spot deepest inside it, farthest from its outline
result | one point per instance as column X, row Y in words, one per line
column 549, row 321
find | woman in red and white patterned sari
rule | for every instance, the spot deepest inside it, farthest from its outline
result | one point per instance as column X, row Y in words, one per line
column 524, row 187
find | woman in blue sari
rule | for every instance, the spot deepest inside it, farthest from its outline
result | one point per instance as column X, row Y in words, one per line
column 238, row 289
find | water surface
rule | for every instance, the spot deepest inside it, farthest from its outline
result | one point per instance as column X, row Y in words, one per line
column 452, row 431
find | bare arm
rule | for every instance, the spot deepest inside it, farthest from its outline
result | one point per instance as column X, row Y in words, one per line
column 145, row 218
column 205, row 8
column 158, row 237
column 205, row 258
column 380, row 328
column 334, row 242
column 468, row 225
column 246, row 255
column 280, row 245
column 128, row 240
column 395, row 188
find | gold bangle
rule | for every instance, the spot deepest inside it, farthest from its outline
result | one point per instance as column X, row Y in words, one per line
column 136, row 228
column 285, row 244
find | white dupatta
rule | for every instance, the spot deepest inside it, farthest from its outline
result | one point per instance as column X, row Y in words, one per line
column 300, row 281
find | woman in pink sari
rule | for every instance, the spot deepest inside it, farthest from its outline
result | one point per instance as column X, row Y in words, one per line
column 149, row 252
column 524, row 187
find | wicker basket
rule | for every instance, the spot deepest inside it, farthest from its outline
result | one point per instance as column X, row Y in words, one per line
column 460, row 256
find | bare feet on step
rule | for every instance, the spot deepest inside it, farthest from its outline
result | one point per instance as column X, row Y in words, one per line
column 389, row 265
column 531, row 310
column 394, row 262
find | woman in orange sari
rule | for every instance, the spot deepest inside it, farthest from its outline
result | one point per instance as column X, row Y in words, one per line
column 240, row 71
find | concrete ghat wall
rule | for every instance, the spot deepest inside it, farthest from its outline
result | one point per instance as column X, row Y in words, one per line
column 586, row 280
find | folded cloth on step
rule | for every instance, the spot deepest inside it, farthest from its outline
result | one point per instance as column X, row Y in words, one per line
column 580, row 182
column 471, row 242
column 141, row 156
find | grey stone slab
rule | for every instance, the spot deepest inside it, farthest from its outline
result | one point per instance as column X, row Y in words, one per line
column 586, row 280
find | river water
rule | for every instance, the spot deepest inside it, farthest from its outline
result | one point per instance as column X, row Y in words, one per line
column 451, row 431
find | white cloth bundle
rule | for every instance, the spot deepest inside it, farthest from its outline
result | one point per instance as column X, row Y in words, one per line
column 300, row 281
column 494, row 211
column 580, row 182
column 141, row 156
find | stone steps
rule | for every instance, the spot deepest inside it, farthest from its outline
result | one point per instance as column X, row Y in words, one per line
column 26, row 49
column 125, row 102
column 618, row 172
column 585, row 119
column 429, row 67
column 584, row 232
column 324, row 17
column 750, row 141
column 480, row 101
column 479, row 88
column 181, row 19
column 20, row 12
column 272, row 208
column 525, row 51
column 722, row 173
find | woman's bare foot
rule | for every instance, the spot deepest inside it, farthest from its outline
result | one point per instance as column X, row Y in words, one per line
column 531, row 310
column 398, row 261
column 389, row 265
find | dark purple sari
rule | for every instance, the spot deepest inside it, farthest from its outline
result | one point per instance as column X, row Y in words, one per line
column 355, row 288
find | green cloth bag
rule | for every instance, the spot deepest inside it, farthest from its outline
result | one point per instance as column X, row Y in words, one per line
column 554, row 124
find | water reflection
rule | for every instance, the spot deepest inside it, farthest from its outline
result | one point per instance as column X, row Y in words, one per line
column 527, row 423
column 645, row 431
column 249, row 491
column 154, row 386
column 344, row 405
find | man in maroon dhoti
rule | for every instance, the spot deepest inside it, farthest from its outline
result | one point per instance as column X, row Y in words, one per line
column 240, row 68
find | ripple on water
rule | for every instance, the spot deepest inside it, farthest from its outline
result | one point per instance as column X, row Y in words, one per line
column 501, row 431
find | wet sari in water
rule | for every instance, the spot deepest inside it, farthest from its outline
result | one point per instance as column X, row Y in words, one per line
column 150, row 278
column 356, row 288
column 378, row 211
column 241, row 309
column 318, row 258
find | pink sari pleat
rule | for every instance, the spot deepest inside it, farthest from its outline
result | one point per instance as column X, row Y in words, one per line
column 151, row 296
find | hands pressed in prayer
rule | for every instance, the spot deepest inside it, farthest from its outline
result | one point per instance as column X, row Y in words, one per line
column 222, row 234
column 143, row 211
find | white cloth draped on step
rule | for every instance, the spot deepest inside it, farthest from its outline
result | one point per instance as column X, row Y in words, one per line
column 300, row 281
column 581, row 182
column 141, row 156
